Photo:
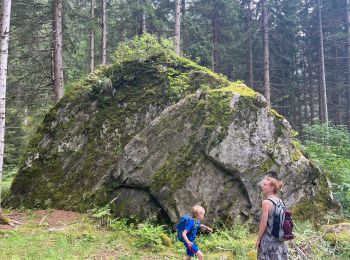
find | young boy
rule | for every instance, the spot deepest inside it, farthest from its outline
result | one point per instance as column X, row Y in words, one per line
column 190, row 232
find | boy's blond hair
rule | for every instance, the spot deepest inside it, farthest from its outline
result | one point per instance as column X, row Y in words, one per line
column 196, row 209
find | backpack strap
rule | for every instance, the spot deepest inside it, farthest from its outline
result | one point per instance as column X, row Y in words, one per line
column 194, row 225
column 272, row 201
column 280, row 202
column 275, row 203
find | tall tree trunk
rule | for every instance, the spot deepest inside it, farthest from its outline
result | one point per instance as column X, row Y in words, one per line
column 299, row 122
column 322, row 68
column 183, row 8
column 293, row 105
column 143, row 14
column 250, row 47
column 266, row 54
column 177, row 26
column 144, row 24
column 4, row 42
column 104, row 33
column 348, row 60
column 320, row 97
column 312, row 103
column 338, row 115
column 309, row 81
column 57, row 52
column 92, row 36
column 305, row 92
column 214, row 54
column 310, row 87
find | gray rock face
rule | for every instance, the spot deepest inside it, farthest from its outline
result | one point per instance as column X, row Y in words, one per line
column 151, row 155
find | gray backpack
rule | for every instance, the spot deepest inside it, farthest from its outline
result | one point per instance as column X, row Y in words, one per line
column 278, row 220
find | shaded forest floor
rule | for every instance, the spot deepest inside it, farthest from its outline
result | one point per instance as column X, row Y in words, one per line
column 57, row 234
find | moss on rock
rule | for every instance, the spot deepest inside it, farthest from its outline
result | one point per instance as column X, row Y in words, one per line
column 75, row 160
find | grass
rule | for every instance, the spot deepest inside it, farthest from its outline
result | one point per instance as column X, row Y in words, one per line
column 80, row 239
column 92, row 237
column 97, row 235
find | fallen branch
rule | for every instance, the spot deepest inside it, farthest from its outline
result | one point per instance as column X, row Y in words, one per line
column 7, row 221
column 42, row 220
column 224, row 249
column 300, row 251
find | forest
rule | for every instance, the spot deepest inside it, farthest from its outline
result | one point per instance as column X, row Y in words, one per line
column 296, row 53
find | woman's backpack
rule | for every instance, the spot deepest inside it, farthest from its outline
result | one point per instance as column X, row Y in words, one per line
column 282, row 227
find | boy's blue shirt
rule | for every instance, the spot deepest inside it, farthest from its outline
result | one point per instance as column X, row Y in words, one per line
column 192, row 227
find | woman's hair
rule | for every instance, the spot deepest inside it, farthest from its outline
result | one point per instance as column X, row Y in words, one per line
column 196, row 209
column 276, row 184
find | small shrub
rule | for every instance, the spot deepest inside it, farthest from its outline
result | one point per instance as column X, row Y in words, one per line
column 150, row 236
column 102, row 215
column 143, row 47
column 119, row 225
column 236, row 239
column 309, row 243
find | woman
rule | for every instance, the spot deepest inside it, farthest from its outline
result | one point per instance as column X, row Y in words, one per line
column 269, row 247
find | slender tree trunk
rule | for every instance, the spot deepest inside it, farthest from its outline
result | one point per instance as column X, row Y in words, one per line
column 122, row 32
column 183, row 8
column 214, row 54
column 348, row 60
column 285, row 109
column 178, row 26
column 320, row 97
column 309, row 83
column 266, row 54
column 5, row 34
column 293, row 102
column 92, row 36
column 312, row 103
column 299, row 122
column 250, row 47
column 338, row 115
column 143, row 14
column 144, row 24
column 322, row 68
column 305, row 92
column 310, row 86
column 57, row 52
column 104, row 33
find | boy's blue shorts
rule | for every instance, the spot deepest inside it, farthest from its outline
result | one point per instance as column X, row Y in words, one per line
column 191, row 251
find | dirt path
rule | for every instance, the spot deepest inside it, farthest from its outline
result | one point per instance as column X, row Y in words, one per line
column 53, row 218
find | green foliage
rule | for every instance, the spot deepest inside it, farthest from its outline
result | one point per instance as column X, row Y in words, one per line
column 151, row 236
column 83, row 239
column 236, row 239
column 310, row 243
column 143, row 47
column 6, row 183
column 178, row 83
column 214, row 36
column 329, row 147
column 147, row 235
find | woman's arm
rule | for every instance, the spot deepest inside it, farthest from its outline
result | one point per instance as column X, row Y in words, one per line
column 266, row 205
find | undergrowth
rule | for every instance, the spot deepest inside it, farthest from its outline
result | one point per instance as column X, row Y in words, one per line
column 99, row 236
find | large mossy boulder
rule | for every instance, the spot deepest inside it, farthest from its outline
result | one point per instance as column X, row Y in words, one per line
column 155, row 134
